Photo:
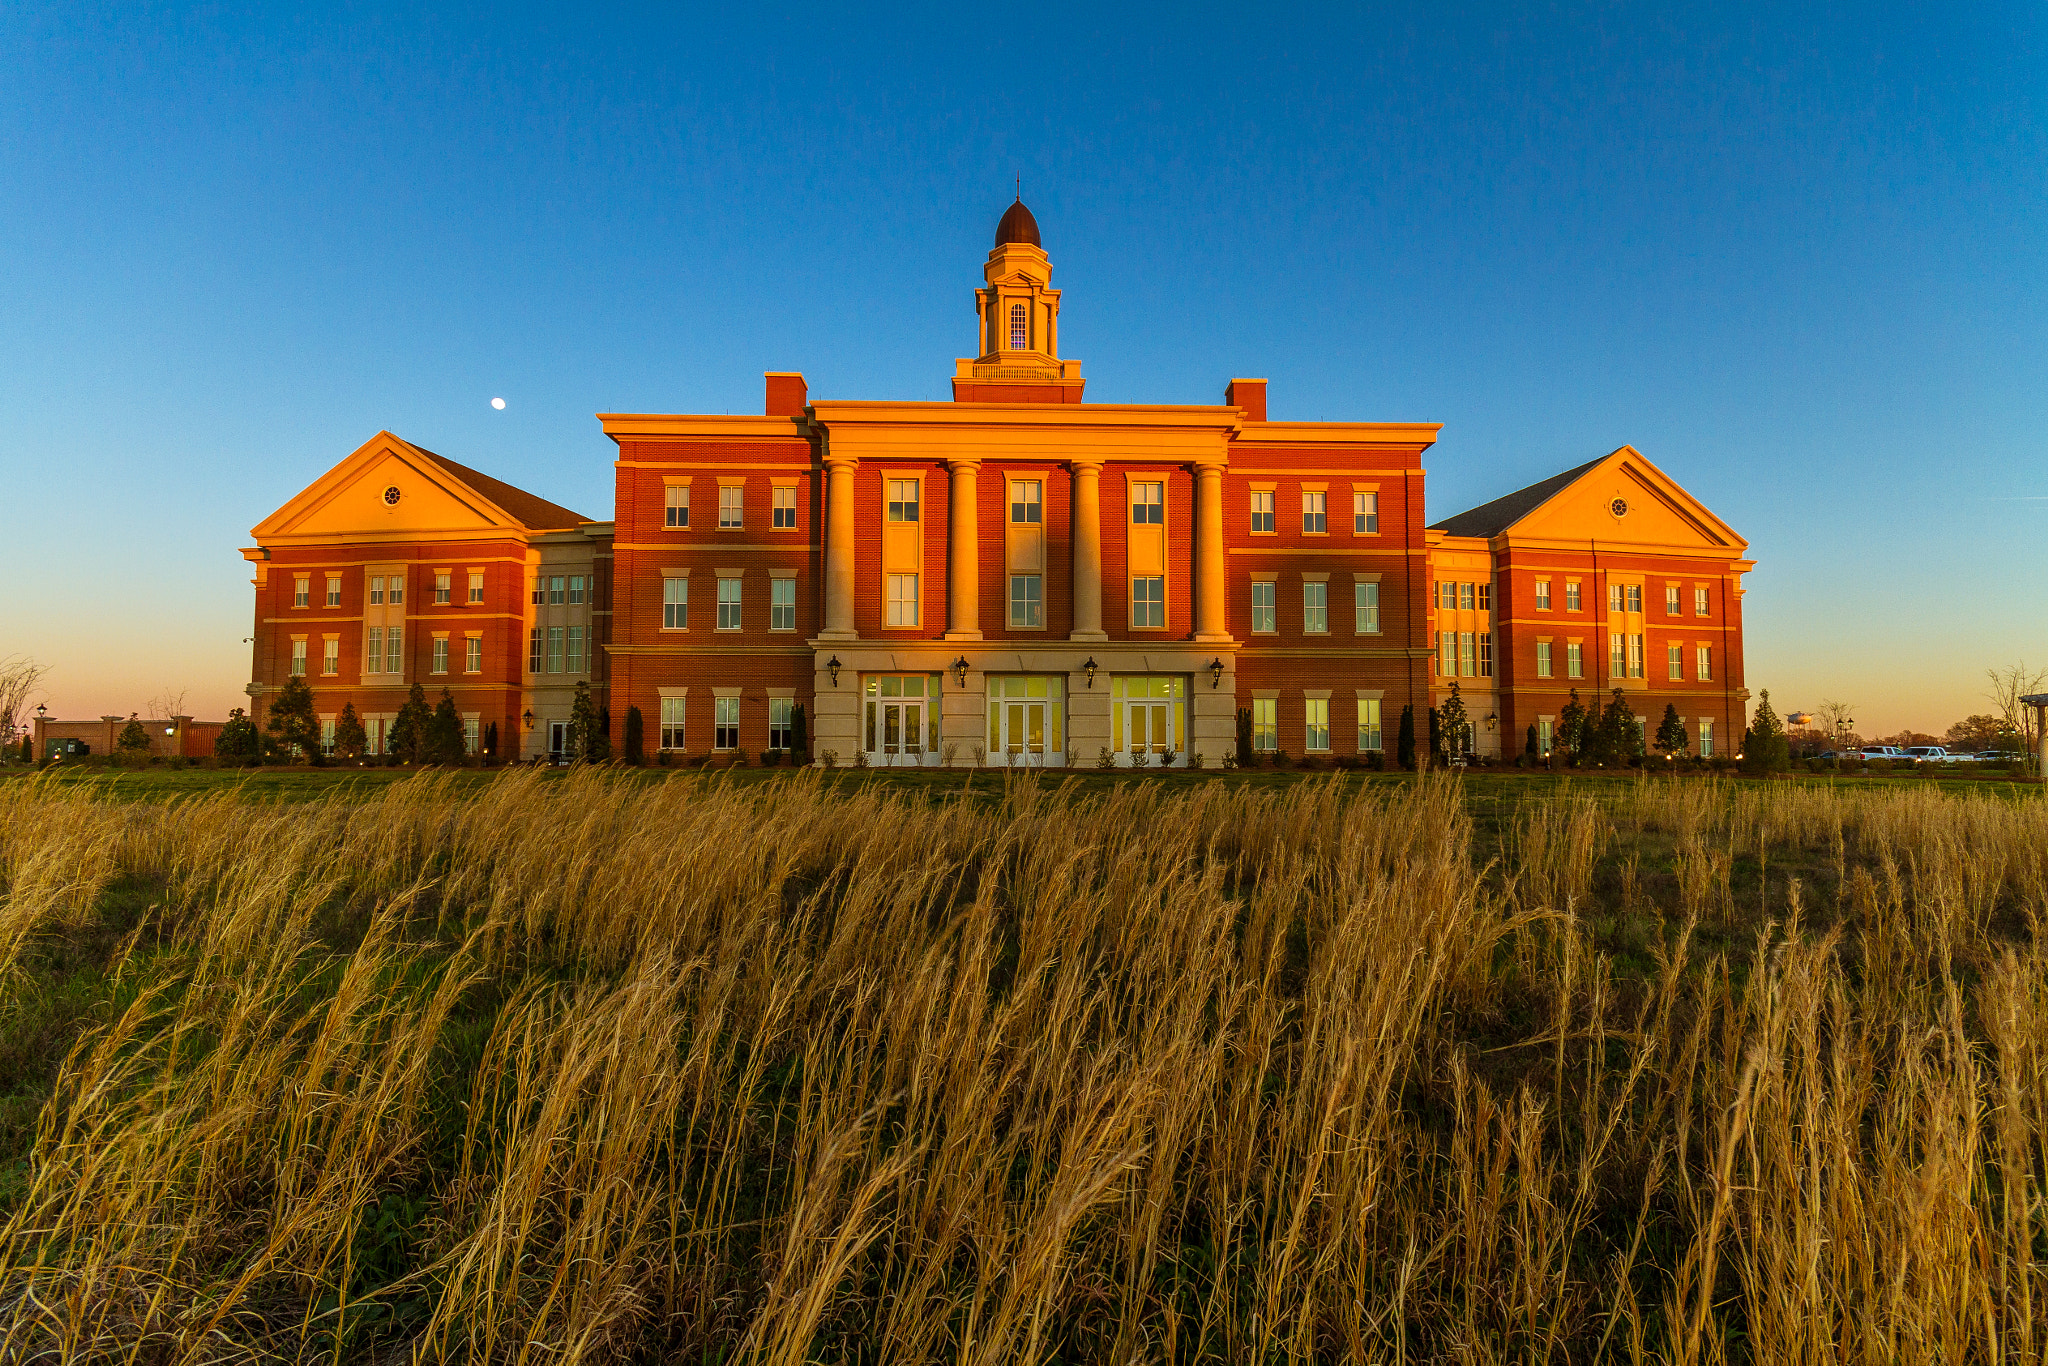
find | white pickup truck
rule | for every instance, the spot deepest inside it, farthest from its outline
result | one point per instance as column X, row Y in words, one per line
column 1934, row 754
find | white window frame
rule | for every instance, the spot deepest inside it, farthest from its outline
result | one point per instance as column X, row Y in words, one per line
column 476, row 588
column 302, row 590
column 1704, row 664
column 1148, row 502
column 1674, row 662
column 1365, row 603
column 725, row 723
column 781, row 603
column 781, row 722
column 444, row 588
column 1262, row 512
column 675, row 507
column 1148, row 600
column 1315, row 607
column 731, row 603
column 1572, row 595
column 782, row 507
column 1365, row 513
column 1315, row 725
column 675, row 602
column 1701, row 605
column 673, row 734
column 330, row 655
column 1020, row 327
column 1543, row 595
column 576, row 661
column 334, row 590
column 440, row 658
column 1544, row 664
column 557, row 647
column 902, row 499
column 1574, row 660
column 1486, row 654
column 376, row 591
column 1027, row 502
column 1315, row 512
column 298, row 659
column 900, row 606
column 472, row 654
column 1265, row 615
column 1371, row 737
column 394, row 650
column 732, row 507
column 1706, row 738
column 373, row 650
column 1265, row 724
column 1027, row 602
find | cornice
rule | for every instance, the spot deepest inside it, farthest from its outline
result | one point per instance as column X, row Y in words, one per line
column 1338, row 433
column 701, row 426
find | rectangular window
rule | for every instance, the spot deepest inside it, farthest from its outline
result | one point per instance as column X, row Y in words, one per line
column 575, row 590
column 1543, row 659
column 1315, row 509
column 441, row 589
column 731, row 507
column 1699, row 602
column 726, row 723
column 1447, row 653
column 1447, row 596
column 1617, row 658
column 1468, row 655
column 1674, row 661
column 675, row 604
column 1615, row 600
column 1148, row 601
column 729, row 604
column 1543, row 735
column 1466, row 601
column 1671, row 601
column 377, row 591
column 1635, row 656
column 1316, row 721
column 540, row 589
column 473, row 654
column 1148, row 504
column 1486, row 596
column 1265, row 607
column 782, row 516
column 327, row 735
column 330, row 656
column 1543, row 595
column 1315, row 608
column 1265, row 724
column 396, row 585
column 558, row 591
column 1365, row 514
column 302, row 591
column 1262, row 510
column 440, row 665
column 1026, row 608
column 901, row 607
column 394, row 652
column 1369, row 725
column 779, row 728
column 782, row 604
column 476, row 589
column 472, row 733
column 1366, row 602
column 373, row 650
column 1575, row 660
column 298, row 659
column 1486, row 654
column 334, row 590
column 575, row 649
column 902, row 500
column 1635, row 597
column 1026, row 502
column 533, row 650
column 1571, row 595
column 676, row 513
column 1702, row 671
column 672, row 722
column 556, row 640
column 1706, row 738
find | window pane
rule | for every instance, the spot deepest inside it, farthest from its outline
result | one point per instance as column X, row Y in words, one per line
column 1025, row 501
column 902, row 500
column 1366, row 602
column 1265, row 613
column 1543, row 595
column 1314, row 511
column 784, row 513
column 675, row 604
column 1148, row 602
column 731, row 506
column 1262, row 509
column 1020, row 328
column 1026, row 609
column 1315, row 607
column 1148, row 504
column 1365, row 513
column 782, row 604
column 676, row 512
column 729, row 604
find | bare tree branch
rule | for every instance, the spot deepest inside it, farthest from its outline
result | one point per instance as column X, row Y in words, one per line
column 20, row 679
column 2008, row 686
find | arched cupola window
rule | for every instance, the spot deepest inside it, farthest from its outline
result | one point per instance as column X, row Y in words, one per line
column 1020, row 330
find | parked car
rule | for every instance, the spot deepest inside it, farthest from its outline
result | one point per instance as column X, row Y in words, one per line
column 1887, row 752
column 1932, row 754
column 1999, row 756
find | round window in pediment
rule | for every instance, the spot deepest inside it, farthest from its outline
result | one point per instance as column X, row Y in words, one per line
column 1619, row 507
column 391, row 496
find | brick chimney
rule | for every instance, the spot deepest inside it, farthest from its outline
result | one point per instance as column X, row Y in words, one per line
column 1250, row 395
column 786, row 393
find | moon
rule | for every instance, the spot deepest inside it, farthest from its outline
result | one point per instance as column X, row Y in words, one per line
column 498, row 403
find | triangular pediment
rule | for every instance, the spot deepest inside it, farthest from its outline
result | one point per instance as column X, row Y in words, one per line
column 387, row 489
column 1625, row 500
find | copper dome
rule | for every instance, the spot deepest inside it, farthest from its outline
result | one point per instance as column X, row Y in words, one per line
column 1017, row 226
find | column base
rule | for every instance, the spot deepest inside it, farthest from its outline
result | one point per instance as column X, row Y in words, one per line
column 834, row 637
column 1224, row 638
column 1089, row 637
column 962, row 635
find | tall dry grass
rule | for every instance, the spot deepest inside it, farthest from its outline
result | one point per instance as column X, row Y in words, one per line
column 598, row 1070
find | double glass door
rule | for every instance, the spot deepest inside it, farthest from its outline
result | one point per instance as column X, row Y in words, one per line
column 1026, row 720
column 900, row 720
column 1148, row 718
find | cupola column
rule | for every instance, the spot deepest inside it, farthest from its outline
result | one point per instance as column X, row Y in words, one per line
column 963, row 549
column 839, row 550
column 1087, row 551
column 1209, row 567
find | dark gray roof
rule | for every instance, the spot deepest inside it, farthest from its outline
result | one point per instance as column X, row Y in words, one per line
column 1490, row 519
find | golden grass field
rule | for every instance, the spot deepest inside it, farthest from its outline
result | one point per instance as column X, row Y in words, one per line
column 601, row 1070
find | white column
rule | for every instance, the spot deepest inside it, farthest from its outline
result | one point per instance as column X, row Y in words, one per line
column 963, row 550
column 1209, row 567
column 1087, row 551
column 839, row 551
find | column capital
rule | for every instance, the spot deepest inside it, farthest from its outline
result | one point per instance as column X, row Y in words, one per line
column 1088, row 465
column 1211, row 466
column 832, row 461
column 956, row 464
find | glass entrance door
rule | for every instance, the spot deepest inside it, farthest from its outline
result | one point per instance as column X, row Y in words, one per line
column 558, row 742
column 1026, row 724
column 1148, row 717
column 900, row 721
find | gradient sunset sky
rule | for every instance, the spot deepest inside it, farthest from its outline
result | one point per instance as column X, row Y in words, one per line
column 1798, row 259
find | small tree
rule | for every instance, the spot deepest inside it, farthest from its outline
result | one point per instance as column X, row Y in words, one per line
column 584, row 741
column 408, row 739
column 350, row 739
column 1455, row 726
column 491, row 740
column 1245, row 758
column 238, row 741
column 134, row 740
column 1404, row 741
column 1571, row 728
column 1671, row 737
column 1764, row 747
column 1529, row 744
column 1616, row 736
column 635, row 753
column 799, row 729
column 28, row 750
column 1436, row 735
column 443, row 740
column 291, row 717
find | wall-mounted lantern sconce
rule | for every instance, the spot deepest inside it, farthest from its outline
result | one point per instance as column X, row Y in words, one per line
column 1493, row 720
column 1216, row 673
column 1089, row 669
column 960, row 670
column 527, row 717
column 832, row 667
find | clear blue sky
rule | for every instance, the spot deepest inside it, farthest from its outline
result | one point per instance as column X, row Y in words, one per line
column 1796, row 258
